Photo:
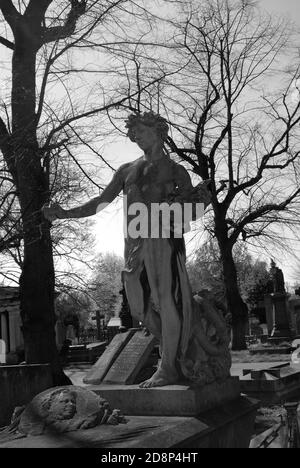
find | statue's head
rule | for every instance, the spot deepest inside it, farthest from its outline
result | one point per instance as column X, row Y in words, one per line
column 147, row 129
column 60, row 406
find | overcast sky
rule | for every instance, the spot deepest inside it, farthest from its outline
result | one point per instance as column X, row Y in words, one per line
column 289, row 8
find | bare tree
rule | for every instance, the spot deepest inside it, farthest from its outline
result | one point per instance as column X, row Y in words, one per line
column 45, row 38
column 235, row 111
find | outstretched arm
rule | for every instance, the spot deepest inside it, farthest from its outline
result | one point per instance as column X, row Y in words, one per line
column 91, row 207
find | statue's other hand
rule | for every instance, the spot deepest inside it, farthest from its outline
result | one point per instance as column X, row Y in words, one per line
column 53, row 212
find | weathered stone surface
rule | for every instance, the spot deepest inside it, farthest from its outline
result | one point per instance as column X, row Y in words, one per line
column 104, row 363
column 192, row 331
column 271, row 385
column 227, row 426
column 19, row 384
column 65, row 409
column 131, row 359
column 271, row 350
column 295, row 358
column 170, row 400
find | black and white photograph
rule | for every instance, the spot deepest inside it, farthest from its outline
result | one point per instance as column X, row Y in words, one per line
column 149, row 227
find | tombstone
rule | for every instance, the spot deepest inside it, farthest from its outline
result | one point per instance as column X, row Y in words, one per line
column 294, row 310
column 281, row 327
column 132, row 359
column 272, row 385
column 102, row 366
column 277, row 307
column 2, row 352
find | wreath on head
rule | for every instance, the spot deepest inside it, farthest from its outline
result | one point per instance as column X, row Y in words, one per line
column 149, row 119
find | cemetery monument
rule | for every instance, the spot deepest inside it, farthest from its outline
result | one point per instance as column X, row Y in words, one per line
column 193, row 335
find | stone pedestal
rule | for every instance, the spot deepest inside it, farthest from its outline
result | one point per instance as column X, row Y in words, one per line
column 171, row 400
column 227, row 426
column 281, row 328
column 272, row 385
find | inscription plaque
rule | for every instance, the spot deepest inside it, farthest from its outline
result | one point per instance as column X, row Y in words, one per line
column 106, row 360
column 131, row 360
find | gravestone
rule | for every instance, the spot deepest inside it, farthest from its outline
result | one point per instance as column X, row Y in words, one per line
column 281, row 327
column 294, row 310
column 277, row 307
column 273, row 384
column 131, row 360
column 106, row 360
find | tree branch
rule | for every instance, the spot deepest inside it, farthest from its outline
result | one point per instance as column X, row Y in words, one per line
column 251, row 217
column 95, row 111
column 10, row 243
column 10, row 13
column 182, row 154
column 5, row 147
column 78, row 8
column 7, row 43
column 37, row 8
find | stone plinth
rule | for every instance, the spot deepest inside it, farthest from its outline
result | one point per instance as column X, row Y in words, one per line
column 270, row 349
column 19, row 384
column 172, row 400
column 272, row 385
column 227, row 426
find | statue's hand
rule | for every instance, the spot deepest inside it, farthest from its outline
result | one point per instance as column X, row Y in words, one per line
column 89, row 422
column 53, row 212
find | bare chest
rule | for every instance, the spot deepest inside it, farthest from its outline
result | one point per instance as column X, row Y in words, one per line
column 152, row 182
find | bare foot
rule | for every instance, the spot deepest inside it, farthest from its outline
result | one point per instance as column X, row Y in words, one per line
column 159, row 379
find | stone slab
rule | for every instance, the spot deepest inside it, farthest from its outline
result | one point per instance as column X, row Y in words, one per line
column 171, row 400
column 97, row 373
column 271, row 385
column 228, row 426
column 271, row 350
column 96, row 345
column 238, row 368
column 131, row 359
column 267, row 439
column 278, row 340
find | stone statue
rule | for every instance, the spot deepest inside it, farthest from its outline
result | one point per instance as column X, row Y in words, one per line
column 192, row 334
column 59, row 410
column 277, row 278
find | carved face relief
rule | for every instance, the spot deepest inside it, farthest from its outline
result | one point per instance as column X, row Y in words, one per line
column 63, row 406
column 146, row 137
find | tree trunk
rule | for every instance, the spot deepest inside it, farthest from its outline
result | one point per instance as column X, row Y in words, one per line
column 37, row 280
column 236, row 305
